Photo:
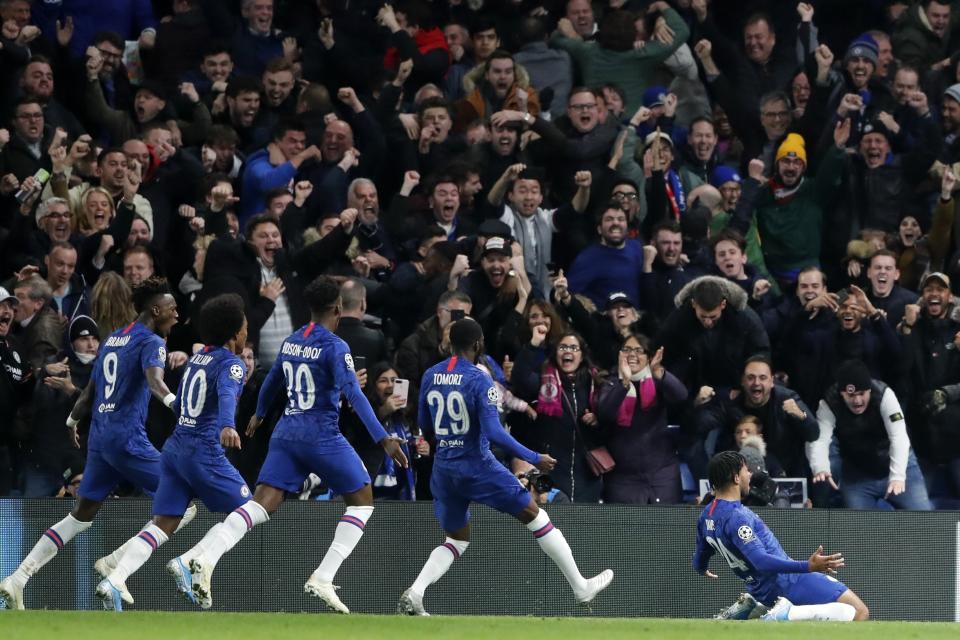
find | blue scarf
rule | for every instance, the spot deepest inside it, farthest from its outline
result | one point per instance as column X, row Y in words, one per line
column 387, row 484
column 678, row 199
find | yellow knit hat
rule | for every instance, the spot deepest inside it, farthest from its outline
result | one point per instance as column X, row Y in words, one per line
column 793, row 146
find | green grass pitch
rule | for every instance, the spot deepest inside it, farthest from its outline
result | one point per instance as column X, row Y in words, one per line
column 138, row 625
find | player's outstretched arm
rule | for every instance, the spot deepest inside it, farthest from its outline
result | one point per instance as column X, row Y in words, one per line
column 158, row 387
column 81, row 409
column 820, row 563
column 491, row 427
column 268, row 391
column 749, row 545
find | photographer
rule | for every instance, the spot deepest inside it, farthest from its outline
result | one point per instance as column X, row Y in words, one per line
column 539, row 484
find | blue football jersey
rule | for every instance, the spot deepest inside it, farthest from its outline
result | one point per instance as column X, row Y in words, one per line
column 746, row 544
column 207, row 398
column 121, row 394
column 316, row 367
column 458, row 403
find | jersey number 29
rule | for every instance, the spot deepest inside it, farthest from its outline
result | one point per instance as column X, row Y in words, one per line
column 456, row 410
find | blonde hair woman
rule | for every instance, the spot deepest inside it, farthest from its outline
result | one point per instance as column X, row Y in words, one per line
column 112, row 303
column 95, row 211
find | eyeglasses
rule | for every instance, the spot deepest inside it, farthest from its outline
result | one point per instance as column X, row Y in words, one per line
column 776, row 115
column 568, row 348
column 629, row 350
column 622, row 195
column 583, row 107
column 115, row 55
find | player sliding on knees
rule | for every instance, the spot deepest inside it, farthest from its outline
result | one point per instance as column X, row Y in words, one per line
column 193, row 464
column 128, row 370
column 316, row 367
column 793, row 589
column 458, row 401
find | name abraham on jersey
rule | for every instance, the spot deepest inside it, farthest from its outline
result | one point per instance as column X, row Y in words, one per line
column 304, row 351
column 447, row 378
column 121, row 341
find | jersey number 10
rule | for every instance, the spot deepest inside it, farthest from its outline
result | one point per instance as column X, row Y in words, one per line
column 456, row 409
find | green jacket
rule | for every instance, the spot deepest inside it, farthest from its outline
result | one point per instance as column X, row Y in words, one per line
column 632, row 71
column 790, row 233
column 916, row 44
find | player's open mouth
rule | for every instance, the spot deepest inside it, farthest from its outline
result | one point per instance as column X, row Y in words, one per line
column 5, row 320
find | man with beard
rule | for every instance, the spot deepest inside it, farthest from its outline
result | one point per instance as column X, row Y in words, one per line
column 663, row 274
column 612, row 264
column 859, row 78
column 698, row 156
column 240, row 109
column 789, row 208
column 496, row 289
column 278, row 84
column 710, row 334
column 864, row 416
column 787, row 422
column 885, row 294
column 49, row 449
column 930, row 331
column 37, row 82
column 859, row 332
column 274, row 166
column 951, row 125
column 531, row 224
column 500, row 89
column 16, row 381
column 499, row 152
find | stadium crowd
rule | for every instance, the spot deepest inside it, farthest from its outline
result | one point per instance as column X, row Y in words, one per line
column 684, row 226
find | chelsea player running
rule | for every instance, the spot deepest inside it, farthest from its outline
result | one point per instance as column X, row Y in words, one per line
column 795, row 589
column 316, row 368
column 193, row 463
column 458, row 401
column 128, row 370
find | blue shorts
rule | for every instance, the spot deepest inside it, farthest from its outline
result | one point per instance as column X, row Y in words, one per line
column 810, row 588
column 107, row 467
column 184, row 476
column 486, row 481
column 289, row 462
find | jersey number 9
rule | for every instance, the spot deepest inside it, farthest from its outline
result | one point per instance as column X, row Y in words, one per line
column 456, row 409
column 110, row 362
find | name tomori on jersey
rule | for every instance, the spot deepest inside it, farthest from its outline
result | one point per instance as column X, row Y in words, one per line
column 447, row 378
column 301, row 351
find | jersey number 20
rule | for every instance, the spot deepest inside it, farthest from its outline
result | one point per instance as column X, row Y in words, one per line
column 456, row 409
